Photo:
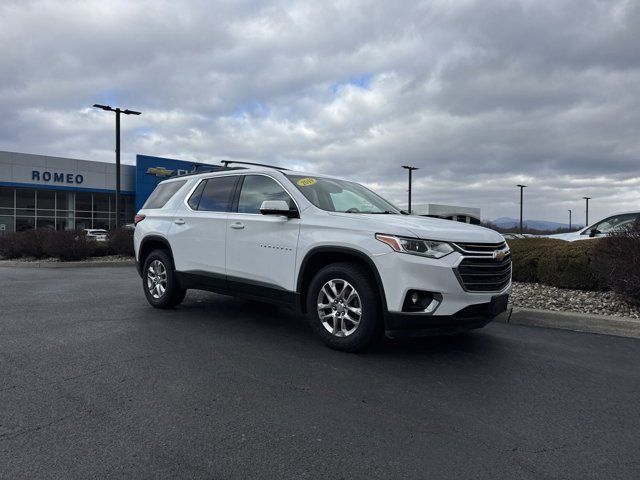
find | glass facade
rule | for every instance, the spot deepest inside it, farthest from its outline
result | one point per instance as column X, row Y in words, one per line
column 28, row 208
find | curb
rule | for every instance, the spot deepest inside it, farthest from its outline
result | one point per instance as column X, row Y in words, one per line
column 116, row 263
column 577, row 322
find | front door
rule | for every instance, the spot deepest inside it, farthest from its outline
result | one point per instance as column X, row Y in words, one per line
column 261, row 249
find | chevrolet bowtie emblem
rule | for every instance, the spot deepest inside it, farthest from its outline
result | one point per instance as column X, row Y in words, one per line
column 499, row 255
column 159, row 172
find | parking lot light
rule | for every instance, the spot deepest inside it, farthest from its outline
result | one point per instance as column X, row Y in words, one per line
column 117, row 111
column 586, row 224
column 411, row 169
column 522, row 187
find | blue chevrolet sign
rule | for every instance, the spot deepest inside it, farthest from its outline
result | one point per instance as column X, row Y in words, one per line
column 150, row 171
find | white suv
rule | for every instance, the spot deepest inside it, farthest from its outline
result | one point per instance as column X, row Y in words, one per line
column 334, row 249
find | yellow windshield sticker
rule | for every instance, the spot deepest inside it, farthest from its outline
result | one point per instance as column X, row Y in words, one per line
column 305, row 182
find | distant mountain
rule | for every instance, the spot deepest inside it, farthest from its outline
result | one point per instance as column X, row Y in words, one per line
column 506, row 222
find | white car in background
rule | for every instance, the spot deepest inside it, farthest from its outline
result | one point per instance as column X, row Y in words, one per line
column 614, row 223
column 97, row 234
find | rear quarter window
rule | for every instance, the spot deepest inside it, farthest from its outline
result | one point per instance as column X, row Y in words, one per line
column 162, row 194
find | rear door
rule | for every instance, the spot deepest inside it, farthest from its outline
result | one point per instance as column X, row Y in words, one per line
column 261, row 249
column 199, row 230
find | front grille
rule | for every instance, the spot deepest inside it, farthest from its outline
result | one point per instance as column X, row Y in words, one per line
column 484, row 274
column 486, row 248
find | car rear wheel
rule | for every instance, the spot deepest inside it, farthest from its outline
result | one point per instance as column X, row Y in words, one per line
column 343, row 307
column 159, row 281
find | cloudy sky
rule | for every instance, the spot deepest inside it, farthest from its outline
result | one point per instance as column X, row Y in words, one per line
column 480, row 95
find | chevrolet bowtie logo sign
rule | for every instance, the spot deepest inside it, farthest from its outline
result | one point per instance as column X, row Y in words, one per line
column 499, row 255
column 160, row 172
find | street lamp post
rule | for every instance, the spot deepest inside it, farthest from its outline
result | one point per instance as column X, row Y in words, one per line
column 117, row 111
column 522, row 187
column 569, row 219
column 411, row 169
column 587, row 211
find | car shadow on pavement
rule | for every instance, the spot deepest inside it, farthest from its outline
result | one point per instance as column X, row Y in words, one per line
column 277, row 320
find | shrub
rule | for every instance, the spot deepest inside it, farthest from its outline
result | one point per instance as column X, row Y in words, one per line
column 120, row 241
column 571, row 266
column 70, row 245
column 556, row 263
column 10, row 245
column 617, row 261
column 29, row 243
column 32, row 242
column 526, row 254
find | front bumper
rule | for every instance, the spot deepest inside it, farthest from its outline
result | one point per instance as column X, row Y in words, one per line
column 398, row 324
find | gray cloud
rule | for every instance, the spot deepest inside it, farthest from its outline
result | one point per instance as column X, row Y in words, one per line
column 480, row 95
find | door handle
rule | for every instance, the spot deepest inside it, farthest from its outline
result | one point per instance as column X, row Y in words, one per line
column 179, row 221
column 237, row 226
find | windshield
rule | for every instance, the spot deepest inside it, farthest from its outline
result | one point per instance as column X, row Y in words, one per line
column 335, row 195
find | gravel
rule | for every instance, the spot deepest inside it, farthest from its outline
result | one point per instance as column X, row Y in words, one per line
column 542, row 297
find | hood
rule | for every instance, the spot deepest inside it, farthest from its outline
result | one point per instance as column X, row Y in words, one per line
column 569, row 237
column 423, row 227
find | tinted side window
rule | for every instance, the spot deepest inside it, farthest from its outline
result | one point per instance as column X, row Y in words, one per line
column 258, row 188
column 217, row 194
column 163, row 193
column 194, row 200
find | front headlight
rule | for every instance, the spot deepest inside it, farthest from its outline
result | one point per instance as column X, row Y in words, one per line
column 416, row 246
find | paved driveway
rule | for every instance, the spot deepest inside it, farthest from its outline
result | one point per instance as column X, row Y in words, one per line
column 95, row 383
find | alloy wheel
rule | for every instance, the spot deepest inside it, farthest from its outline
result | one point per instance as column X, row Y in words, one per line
column 157, row 279
column 339, row 307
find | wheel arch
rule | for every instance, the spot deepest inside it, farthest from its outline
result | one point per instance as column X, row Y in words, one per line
column 148, row 245
column 318, row 257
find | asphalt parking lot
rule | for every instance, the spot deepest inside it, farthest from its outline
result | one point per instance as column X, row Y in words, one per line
column 94, row 384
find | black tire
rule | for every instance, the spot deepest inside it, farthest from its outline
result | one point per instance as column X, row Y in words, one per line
column 172, row 294
column 368, row 328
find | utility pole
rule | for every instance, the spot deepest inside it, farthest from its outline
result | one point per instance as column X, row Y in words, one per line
column 587, row 211
column 522, row 187
column 569, row 219
column 411, row 169
column 117, row 111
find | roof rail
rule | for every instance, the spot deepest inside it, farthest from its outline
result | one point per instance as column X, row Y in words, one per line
column 227, row 162
column 198, row 169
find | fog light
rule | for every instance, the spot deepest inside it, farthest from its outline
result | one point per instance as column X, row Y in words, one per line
column 421, row 301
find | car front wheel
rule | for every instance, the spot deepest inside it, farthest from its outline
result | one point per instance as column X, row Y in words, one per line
column 343, row 307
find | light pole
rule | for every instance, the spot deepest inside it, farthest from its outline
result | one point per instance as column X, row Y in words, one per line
column 118, row 111
column 411, row 169
column 569, row 219
column 522, row 187
column 587, row 211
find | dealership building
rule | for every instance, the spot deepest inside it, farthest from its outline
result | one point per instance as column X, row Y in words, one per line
column 39, row 191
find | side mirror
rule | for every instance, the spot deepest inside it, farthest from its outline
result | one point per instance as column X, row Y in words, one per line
column 277, row 207
column 593, row 232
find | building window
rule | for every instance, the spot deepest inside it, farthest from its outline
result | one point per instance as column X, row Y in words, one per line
column 26, row 199
column 6, row 224
column 64, row 201
column 83, row 202
column 25, row 223
column 6, row 197
column 46, row 199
